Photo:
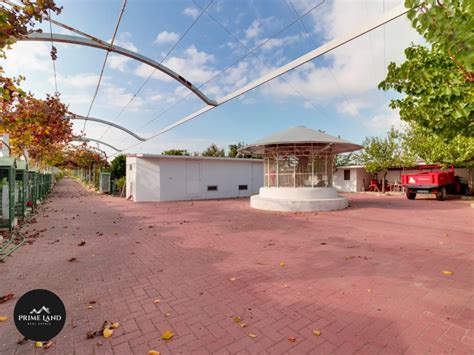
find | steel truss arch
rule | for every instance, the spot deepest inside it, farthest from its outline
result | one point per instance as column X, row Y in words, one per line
column 82, row 41
column 87, row 139
column 78, row 117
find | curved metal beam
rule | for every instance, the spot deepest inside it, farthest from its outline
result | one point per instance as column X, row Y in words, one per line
column 48, row 37
column 81, row 139
column 78, row 117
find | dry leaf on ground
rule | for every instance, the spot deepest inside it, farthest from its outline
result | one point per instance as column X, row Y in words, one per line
column 317, row 332
column 48, row 344
column 153, row 352
column 446, row 272
column 3, row 318
column 39, row 344
column 291, row 339
column 282, row 264
column 251, row 335
column 107, row 332
column 167, row 335
column 6, row 297
column 115, row 325
column 237, row 319
column 156, row 301
column 72, row 259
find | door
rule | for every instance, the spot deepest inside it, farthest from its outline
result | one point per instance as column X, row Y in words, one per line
column 193, row 179
column 257, row 177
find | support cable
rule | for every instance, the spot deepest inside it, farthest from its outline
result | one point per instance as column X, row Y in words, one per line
column 161, row 62
column 105, row 62
column 53, row 54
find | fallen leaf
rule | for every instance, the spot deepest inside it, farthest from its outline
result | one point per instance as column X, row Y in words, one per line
column 237, row 319
column 48, row 344
column 115, row 325
column 282, row 264
column 156, row 301
column 6, row 297
column 291, row 339
column 3, row 318
column 90, row 307
column 251, row 335
column 167, row 335
column 446, row 272
column 369, row 290
column 72, row 259
column 107, row 332
column 243, row 325
column 232, row 279
column 22, row 341
column 92, row 302
column 317, row 332
column 39, row 344
column 167, row 314
column 92, row 334
column 81, row 244
column 153, row 352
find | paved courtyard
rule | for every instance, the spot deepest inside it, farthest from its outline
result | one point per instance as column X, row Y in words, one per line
column 369, row 278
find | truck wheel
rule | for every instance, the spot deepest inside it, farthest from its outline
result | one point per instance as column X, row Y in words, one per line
column 411, row 195
column 441, row 195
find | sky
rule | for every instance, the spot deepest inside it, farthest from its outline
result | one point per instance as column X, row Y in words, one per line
column 336, row 93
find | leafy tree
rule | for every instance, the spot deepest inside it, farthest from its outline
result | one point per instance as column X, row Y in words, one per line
column 449, row 24
column 381, row 154
column 39, row 126
column 118, row 167
column 233, row 149
column 346, row 159
column 176, row 152
column 213, row 151
column 437, row 95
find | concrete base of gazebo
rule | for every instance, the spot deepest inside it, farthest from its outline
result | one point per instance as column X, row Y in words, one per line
column 299, row 199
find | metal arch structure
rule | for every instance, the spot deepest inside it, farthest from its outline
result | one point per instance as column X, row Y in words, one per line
column 86, row 139
column 78, row 117
column 88, row 42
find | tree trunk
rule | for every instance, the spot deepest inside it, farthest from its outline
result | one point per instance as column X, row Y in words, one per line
column 383, row 182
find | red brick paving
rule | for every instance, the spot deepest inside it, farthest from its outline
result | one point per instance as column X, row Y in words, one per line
column 375, row 287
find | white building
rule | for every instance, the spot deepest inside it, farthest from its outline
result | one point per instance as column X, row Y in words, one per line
column 174, row 178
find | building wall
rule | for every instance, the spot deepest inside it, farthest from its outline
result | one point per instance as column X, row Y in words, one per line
column 131, row 183
column 170, row 179
column 363, row 179
column 345, row 185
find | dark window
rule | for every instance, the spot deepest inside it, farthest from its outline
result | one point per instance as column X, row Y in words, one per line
column 212, row 188
column 243, row 187
column 347, row 174
column 131, row 167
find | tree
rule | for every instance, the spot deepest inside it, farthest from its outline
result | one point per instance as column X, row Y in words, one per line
column 176, row 152
column 437, row 95
column 213, row 151
column 233, row 149
column 346, row 159
column 38, row 126
column 118, row 167
column 381, row 154
column 449, row 24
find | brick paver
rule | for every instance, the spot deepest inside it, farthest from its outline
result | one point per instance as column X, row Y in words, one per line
column 369, row 278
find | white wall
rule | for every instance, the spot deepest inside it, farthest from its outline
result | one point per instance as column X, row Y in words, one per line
column 342, row 185
column 131, row 175
column 165, row 179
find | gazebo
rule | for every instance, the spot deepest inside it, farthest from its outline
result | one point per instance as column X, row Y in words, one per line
column 298, row 168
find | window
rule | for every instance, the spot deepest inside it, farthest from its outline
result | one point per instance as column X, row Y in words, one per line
column 131, row 167
column 212, row 188
column 243, row 187
column 347, row 174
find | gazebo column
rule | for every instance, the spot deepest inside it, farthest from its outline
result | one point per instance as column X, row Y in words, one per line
column 277, row 171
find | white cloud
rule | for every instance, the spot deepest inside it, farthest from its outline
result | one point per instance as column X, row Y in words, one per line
column 194, row 65
column 33, row 56
column 165, row 36
column 191, row 12
column 254, row 30
column 119, row 62
column 278, row 42
column 382, row 121
column 78, row 81
column 351, row 107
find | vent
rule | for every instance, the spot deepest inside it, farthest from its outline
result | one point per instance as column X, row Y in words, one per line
column 212, row 188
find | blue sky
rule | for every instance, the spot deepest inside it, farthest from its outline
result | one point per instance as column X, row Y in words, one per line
column 336, row 93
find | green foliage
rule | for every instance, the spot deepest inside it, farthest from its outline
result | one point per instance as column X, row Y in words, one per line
column 381, row 154
column 176, row 152
column 449, row 24
column 120, row 182
column 347, row 159
column 118, row 167
column 233, row 149
column 433, row 149
column 437, row 95
column 213, row 151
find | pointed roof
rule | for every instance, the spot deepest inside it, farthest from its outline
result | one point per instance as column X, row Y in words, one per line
column 300, row 135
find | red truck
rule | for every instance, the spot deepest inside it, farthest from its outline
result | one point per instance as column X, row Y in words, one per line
column 438, row 182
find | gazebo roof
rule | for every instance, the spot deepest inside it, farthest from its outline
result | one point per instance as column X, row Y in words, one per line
column 300, row 135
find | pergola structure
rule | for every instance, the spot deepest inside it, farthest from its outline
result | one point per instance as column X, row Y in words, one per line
column 298, row 167
column 85, row 39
